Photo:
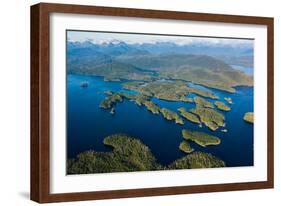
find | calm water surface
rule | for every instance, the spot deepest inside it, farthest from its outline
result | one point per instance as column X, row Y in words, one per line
column 87, row 124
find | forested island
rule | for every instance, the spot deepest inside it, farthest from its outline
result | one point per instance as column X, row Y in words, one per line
column 203, row 139
column 222, row 106
column 185, row 147
column 130, row 154
column 202, row 113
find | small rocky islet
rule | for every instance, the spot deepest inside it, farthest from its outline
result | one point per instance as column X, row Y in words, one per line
column 249, row 117
column 185, row 147
column 200, row 138
column 222, row 106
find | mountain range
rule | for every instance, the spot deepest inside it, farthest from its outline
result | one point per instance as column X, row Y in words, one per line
column 204, row 64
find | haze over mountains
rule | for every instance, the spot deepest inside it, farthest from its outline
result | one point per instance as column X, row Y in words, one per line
column 224, row 52
column 207, row 64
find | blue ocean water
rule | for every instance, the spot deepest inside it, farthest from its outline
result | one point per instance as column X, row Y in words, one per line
column 87, row 124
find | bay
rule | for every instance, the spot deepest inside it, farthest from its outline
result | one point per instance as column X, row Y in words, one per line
column 88, row 124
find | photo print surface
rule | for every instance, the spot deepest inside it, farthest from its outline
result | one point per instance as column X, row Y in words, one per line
column 146, row 102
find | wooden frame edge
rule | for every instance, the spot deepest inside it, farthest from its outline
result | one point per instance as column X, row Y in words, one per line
column 39, row 145
column 270, row 100
column 39, row 180
column 150, row 192
column 34, row 107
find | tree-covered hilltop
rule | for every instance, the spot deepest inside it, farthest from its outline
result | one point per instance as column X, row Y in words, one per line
column 167, row 90
column 200, row 138
column 210, row 117
column 111, row 100
column 189, row 116
column 130, row 154
column 201, row 102
column 197, row 160
column 222, row 106
column 171, row 115
column 185, row 147
column 152, row 107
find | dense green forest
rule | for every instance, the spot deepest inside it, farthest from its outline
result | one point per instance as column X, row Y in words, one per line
column 130, row 154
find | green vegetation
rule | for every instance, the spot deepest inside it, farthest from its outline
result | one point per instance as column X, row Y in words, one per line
column 200, row 69
column 222, row 78
column 140, row 99
column 202, row 113
column 200, row 138
column 249, row 117
column 132, row 85
column 123, row 61
column 211, row 118
column 170, row 115
column 197, row 160
column 189, row 116
column 229, row 100
column 130, row 154
column 222, row 106
column 201, row 102
column 202, row 93
column 185, row 147
column 111, row 100
column 102, row 65
column 186, row 99
column 167, row 90
column 155, row 109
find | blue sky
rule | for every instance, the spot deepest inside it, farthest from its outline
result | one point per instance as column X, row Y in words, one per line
column 103, row 37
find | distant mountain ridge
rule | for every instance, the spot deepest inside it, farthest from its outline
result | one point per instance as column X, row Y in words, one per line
column 119, row 60
column 228, row 53
column 170, row 47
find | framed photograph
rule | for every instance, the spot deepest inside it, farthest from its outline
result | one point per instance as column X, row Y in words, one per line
column 131, row 102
